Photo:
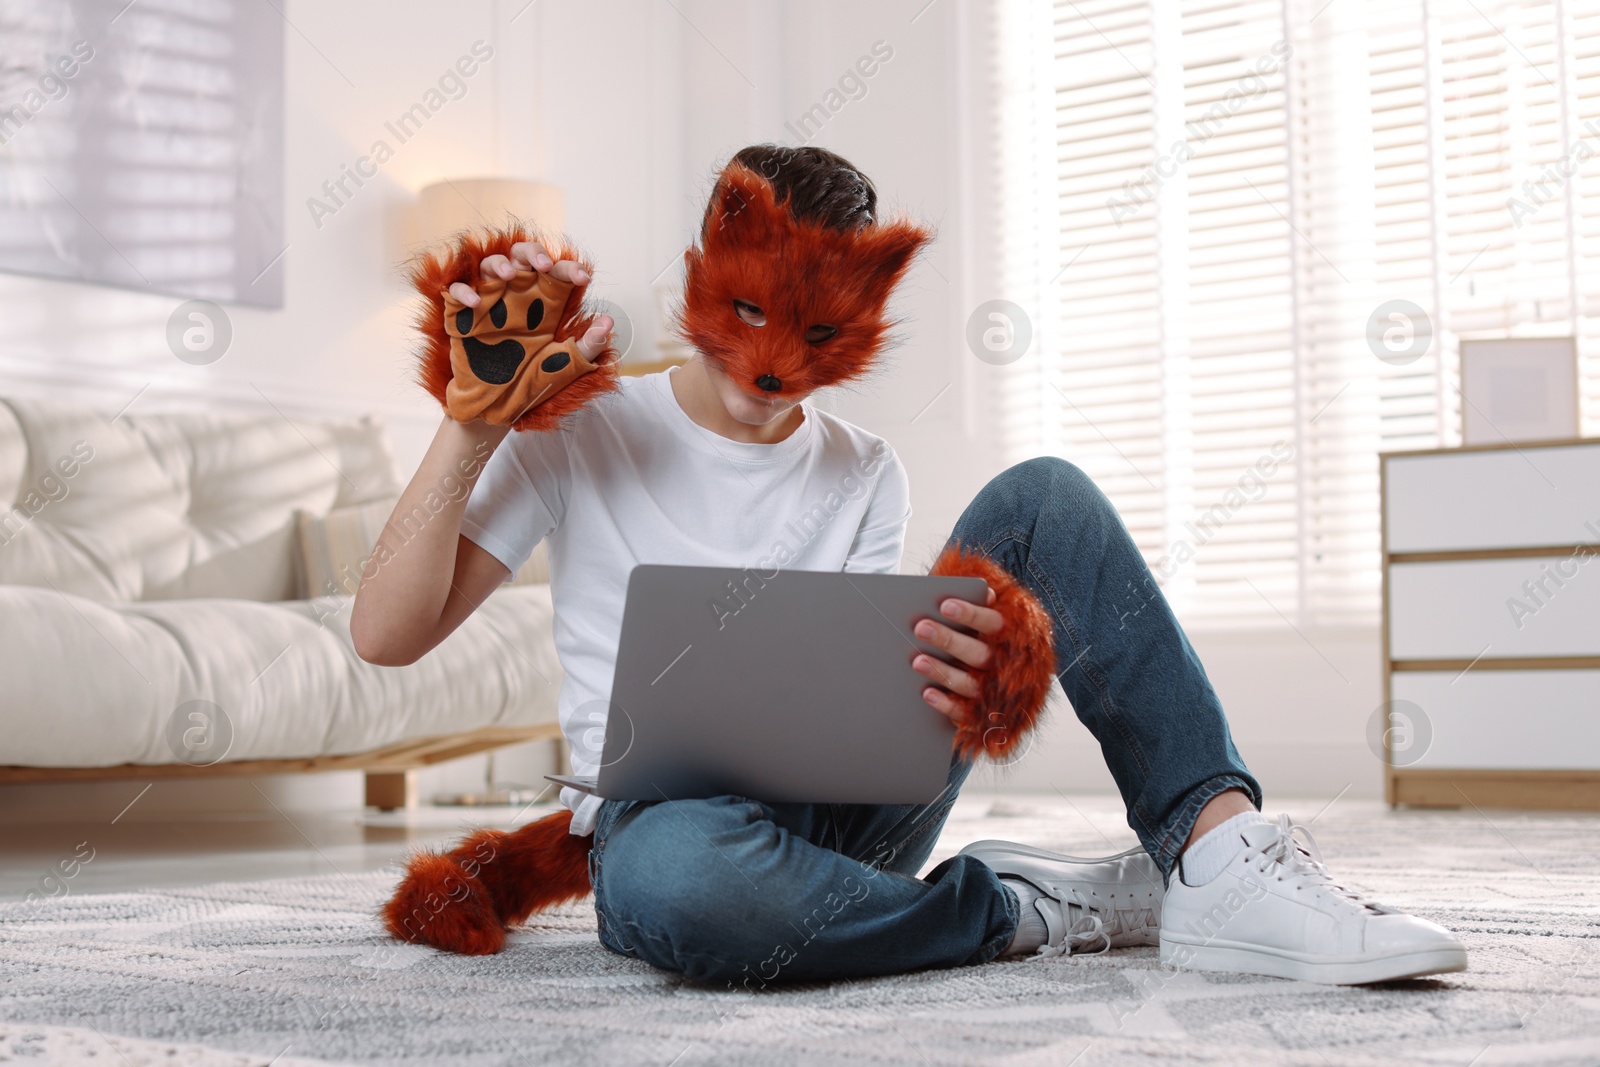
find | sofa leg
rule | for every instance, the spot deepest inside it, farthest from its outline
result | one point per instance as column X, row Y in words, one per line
column 388, row 790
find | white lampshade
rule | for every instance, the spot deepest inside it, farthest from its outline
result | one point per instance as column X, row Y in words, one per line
column 455, row 204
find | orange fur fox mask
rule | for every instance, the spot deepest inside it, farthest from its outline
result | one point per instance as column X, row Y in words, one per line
column 785, row 306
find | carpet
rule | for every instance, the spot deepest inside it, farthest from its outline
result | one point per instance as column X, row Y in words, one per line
column 299, row 970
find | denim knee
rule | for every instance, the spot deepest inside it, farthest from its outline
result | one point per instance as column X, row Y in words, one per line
column 673, row 887
column 1011, row 502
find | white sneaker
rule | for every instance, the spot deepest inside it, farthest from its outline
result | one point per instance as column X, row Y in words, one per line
column 1087, row 904
column 1276, row 910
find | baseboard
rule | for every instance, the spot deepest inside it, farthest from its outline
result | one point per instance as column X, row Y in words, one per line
column 1541, row 790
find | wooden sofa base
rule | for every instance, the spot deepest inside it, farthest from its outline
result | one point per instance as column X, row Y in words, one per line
column 390, row 782
column 1536, row 789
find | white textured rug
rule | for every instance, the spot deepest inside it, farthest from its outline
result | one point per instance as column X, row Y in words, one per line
column 299, row 969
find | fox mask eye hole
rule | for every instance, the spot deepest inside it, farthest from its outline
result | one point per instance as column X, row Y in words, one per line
column 750, row 313
column 819, row 333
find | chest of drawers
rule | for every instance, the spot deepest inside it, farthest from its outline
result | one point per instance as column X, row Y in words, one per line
column 1491, row 626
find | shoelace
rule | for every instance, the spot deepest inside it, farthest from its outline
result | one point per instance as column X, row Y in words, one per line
column 1296, row 851
column 1085, row 931
column 1081, row 932
column 1132, row 920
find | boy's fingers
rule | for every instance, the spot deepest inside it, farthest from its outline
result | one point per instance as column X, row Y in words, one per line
column 945, row 676
column 497, row 267
column 940, row 701
column 464, row 294
column 982, row 619
column 569, row 270
column 530, row 255
column 969, row 650
column 594, row 339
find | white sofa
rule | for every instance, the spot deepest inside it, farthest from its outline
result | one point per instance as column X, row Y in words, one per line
column 148, row 561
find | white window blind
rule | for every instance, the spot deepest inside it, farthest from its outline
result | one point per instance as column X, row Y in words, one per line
column 1204, row 202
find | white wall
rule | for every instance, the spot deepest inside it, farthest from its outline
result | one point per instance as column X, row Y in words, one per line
column 1298, row 715
column 630, row 107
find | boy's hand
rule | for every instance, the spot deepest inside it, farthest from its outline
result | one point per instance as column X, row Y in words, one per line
column 504, row 357
column 530, row 255
column 971, row 651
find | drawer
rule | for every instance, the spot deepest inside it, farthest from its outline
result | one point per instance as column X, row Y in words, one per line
column 1502, row 498
column 1500, row 720
column 1540, row 606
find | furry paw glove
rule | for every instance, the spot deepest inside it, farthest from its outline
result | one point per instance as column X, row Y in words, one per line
column 513, row 360
column 1013, row 687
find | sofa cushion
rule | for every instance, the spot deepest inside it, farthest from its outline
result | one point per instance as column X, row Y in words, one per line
column 284, row 674
column 13, row 459
column 124, row 508
column 94, row 514
column 336, row 548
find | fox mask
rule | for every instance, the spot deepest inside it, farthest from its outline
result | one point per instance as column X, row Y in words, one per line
column 785, row 306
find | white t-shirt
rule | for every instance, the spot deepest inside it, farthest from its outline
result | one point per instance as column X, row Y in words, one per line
column 632, row 479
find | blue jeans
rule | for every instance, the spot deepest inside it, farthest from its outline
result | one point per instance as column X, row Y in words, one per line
column 731, row 890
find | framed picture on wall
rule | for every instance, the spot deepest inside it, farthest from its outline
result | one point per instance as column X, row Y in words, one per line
column 1522, row 389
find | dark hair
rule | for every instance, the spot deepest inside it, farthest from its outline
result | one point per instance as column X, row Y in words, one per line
column 816, row 185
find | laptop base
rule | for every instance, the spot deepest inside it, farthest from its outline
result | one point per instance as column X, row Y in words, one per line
column 583, row 783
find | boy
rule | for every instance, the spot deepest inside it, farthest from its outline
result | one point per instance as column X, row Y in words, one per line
column 706, row 464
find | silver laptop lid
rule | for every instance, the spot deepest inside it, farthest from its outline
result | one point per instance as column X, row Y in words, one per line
column 793, row 686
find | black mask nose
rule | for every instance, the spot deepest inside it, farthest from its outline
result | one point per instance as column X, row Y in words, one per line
column 769, row 384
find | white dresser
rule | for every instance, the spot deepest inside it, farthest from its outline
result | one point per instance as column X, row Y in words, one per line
column 1491, row 625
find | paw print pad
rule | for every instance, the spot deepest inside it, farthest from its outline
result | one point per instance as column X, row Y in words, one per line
column 503, row 353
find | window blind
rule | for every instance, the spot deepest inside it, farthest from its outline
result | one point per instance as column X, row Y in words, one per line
column 1208, row 208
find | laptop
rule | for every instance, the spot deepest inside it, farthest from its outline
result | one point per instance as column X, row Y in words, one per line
column 794, row 686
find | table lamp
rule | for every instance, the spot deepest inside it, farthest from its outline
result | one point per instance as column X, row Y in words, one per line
column 451, row 205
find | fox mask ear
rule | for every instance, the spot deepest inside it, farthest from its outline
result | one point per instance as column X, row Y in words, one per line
column 887, row 252
column 801, row 274
column 744, row 211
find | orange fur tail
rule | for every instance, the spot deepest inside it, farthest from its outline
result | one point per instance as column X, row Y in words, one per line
column 432, row 274
column 1015, row 684
column 462, row 901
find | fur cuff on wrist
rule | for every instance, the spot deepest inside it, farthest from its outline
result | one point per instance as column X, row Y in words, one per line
column 432, row 275
column 1014, row 685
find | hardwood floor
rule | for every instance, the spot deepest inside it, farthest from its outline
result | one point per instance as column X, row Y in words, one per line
column 52, row 858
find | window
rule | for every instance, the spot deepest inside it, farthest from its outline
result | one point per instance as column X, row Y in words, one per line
column 1250, row 235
